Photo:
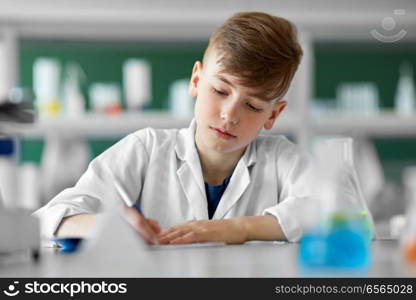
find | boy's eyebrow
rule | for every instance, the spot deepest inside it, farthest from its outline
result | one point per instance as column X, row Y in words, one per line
column 222, row 78
column 254, row 95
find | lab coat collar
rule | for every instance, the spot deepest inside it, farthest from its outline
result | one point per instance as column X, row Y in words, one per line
column 191, row 177
column 238, row 183
column 190, row 172
column 185, row 146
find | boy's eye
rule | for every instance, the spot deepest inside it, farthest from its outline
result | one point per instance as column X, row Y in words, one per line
column 254, row 108
column 219, row 92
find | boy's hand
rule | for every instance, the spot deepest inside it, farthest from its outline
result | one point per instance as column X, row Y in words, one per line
column 147, row 228
column 230, row 231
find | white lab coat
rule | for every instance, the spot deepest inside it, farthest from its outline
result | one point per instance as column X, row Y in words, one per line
column 161, row 170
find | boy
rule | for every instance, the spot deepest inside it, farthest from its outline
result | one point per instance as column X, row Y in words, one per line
column 216, row 180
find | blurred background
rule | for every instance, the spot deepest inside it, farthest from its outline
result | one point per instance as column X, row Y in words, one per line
column 96, row 70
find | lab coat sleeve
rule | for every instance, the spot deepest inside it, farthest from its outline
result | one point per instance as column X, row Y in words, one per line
column 293, row 176
column 126, row 160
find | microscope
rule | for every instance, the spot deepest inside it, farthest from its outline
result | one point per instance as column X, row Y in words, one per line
column 19, row 231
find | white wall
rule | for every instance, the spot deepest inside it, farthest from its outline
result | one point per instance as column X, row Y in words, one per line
column 323, row 19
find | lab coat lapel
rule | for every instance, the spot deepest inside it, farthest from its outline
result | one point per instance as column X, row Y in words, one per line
column 190, row 173
column 238, row 183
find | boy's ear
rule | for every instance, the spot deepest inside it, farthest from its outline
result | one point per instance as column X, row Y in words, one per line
column 193, row 83
column 279, row 107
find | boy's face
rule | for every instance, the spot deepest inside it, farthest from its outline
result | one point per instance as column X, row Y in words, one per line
column 228, row 115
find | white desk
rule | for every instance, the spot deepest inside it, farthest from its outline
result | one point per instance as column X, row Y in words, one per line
column 262, row 259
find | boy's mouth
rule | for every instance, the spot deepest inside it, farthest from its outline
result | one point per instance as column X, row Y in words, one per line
column 222, row 133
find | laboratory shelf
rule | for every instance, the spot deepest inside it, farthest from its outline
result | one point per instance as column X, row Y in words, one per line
column 383, row 124
column 98, row 125
column 101, row 125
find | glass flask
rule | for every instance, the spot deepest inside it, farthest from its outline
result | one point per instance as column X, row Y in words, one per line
column 340, row 234
column 408, row 237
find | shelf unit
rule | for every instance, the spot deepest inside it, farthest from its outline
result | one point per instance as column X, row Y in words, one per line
column 128, row 20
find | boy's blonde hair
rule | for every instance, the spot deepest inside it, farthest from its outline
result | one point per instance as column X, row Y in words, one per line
column 260, row 49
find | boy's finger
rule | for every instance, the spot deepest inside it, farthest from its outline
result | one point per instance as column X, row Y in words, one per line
column 154, row 225
column 170, row 229
column 146, row 231
column 190, row 237
column 166, row 238
column 142, row 226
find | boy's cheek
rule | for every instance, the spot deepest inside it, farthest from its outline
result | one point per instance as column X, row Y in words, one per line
column 211, row 110
column 206, row 108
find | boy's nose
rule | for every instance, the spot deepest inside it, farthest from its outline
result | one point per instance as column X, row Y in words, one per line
column 229, row 113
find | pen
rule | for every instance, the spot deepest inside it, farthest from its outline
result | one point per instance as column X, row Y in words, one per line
column 126, row 199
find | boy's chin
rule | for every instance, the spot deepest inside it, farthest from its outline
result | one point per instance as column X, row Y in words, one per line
column 226, row 147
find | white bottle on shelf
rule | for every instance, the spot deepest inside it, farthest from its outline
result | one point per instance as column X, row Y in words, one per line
column 3, row 72
column 8, row 172
column 46, row 82
column 181, row 104
column 137, row 83
column 73, row 98
column 405, row 93
column 29, row 186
